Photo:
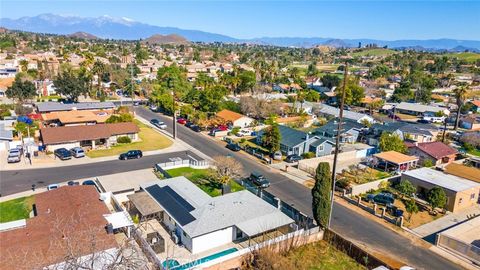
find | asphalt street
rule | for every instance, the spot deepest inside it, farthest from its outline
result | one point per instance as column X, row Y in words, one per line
column 346, row 222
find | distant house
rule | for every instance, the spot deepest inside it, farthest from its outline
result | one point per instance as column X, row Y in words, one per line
column 460, row 170
column 438, row 152
column 236, row 119
column 202, row 223
column 45, row 107
column 412, row 131
column 461, row 193
column 298, row 142
column 68, row 221
column 6, row 136
column 87, row 135
column 419, row 109
column 475, row 105
column 330, row 111
column 351, row 130
column 471, row 122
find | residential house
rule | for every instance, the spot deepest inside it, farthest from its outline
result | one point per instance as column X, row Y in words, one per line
column 475, row 105
column 200, row 222
column 437, row 152
column 6, row 135
column 461, row 193
column 75, row 118
column 460, row 170
column 87, row 135
column 236, row 119
column 45, row 87
column 412, row 131
column 471, row 122
column 69, row 221
column 329, row 111
column 45, row 107
column 298, row 142
column 420, row 109
column 351, row 130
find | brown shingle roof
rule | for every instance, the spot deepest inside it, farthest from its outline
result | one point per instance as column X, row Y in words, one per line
column 67, row 134
column 228, row 115
column 437, row 150
column 67, row 220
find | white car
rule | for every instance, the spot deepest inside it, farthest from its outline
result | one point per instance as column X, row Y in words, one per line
column 14, row 155
column 434, row 119
column 52, row 186
column 243, row 132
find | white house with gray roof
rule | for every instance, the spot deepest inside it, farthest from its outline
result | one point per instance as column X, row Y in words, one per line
column 50, row 106
column 201, row 222
column 420, row 109
column 327, row 110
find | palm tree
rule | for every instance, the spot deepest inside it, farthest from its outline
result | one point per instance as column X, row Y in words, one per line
column 460, row 95
column 98, row 69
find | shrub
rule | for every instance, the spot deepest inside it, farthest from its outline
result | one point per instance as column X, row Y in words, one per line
column 428, row 163
column 243, row 140
column 308, row 155
column 124, row 139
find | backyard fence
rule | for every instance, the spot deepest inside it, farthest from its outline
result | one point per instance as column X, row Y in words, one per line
column 464, row 249
column 194, row 164
column 147, row 250
column 363, row 188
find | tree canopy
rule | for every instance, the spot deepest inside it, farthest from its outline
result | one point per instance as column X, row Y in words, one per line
column 21, row 90
column 71, row 84
column 436, row 197
column 271, row 138
column 391, row 142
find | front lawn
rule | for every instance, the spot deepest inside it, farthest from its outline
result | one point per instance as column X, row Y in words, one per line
column 202, row 179
column 16, row 209
column 474, row 151
column 149, row 140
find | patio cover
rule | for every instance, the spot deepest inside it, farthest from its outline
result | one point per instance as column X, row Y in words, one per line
column 119, row 219
column 144, row 203
column 395, row 157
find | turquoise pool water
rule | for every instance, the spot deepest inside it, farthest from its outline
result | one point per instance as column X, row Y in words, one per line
column 205, row 259
column 169, row 264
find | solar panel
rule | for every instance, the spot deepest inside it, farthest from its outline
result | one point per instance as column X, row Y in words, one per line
column 168, row 199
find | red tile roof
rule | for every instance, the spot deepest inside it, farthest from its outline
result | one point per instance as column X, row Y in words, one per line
column 437, row 150
column 67, row 134
column 67, row 220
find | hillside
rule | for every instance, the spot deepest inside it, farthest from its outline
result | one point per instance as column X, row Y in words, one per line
column 166, row 39
column 83, row 35
column 374, row 52
column 467, row 56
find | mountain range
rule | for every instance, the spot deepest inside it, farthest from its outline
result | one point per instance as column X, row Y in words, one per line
column 108, row 27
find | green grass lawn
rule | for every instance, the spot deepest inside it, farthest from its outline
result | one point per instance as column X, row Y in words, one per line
column 149, row 140
column 321, row 255
column 201, row 178
column 374, row 52
column 467, row 56
column 16, row 209
column 475, row 152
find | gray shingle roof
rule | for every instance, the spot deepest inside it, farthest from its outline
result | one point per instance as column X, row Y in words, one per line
column 326, row 109
column 5, row 134
column 242, row 209
column 330, row 128
column 417, row 107
column 289, row 136
column 57, row 106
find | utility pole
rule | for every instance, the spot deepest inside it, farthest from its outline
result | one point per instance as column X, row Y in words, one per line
column 132, row 93
column 174, row 123
column 337, row 142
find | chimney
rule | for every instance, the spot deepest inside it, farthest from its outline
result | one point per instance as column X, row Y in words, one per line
column 307, row 136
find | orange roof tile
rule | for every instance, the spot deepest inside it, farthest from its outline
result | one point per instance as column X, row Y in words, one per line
column 229, row 116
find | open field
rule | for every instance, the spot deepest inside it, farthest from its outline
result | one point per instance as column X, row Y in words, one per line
column 374, row 52
column 16, row 209
column 467, row 56
column 149, row 140
column 201, row 178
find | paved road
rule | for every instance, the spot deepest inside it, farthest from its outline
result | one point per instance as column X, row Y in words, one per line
column 345, row 221
column 20, row 180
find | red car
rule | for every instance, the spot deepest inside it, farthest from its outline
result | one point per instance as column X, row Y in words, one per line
column 182, row 121
column 222, row 128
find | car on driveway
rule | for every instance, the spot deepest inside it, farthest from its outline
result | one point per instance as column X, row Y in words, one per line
column 182, row 121
column 14, row 155
column 62, row 153
column 293, row 158
column 158, row 123
column 381, row 198
column 77, row 152
column 259, row 180
column 132, row 154
column 234, row 147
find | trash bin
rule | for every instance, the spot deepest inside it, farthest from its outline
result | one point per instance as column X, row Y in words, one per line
column 35, row 153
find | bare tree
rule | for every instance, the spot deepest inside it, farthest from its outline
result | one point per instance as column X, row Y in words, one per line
column 226, row 169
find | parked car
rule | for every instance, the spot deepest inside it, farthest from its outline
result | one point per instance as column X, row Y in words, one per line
column 77, row 152
column 434, row 119
column 259, row 180
column 62, row 154
column 196, row 128
column 88, row 183
column 131, row 155
column 381, row 198
column 244, row 132
column 53, row 186
column 136, row 103
column 73, row 183
column 293, row 158
column 423, row 121
column 14, row 155
column 182, row 121
column 222, row 128
column 234, row 147
column 394, row 211
column 158, row 123
column 277, row 155
column 153, row 108
column 189, row 124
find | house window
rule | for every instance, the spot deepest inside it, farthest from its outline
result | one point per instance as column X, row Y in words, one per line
column 472, row 196
column 320, row 147
column 460, row 201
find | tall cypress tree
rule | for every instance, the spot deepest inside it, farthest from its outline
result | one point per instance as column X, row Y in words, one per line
column 321, row 194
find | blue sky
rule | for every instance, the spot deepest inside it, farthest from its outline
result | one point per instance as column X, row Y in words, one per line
column 385, row 19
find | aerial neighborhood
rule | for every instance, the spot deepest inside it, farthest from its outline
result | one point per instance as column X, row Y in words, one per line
column 167, row 153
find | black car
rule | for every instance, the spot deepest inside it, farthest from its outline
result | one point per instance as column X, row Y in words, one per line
column 73, row 183
column 189, row 124
column 234, row 147
column 423, row 121
column 196, row 128
column 259, row 180
column 90, row 183
column 62, row 153
column 131, row 155
column 293, row 158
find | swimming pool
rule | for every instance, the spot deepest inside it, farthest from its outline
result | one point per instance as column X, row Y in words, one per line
column 205, row 259
column 169, row 264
